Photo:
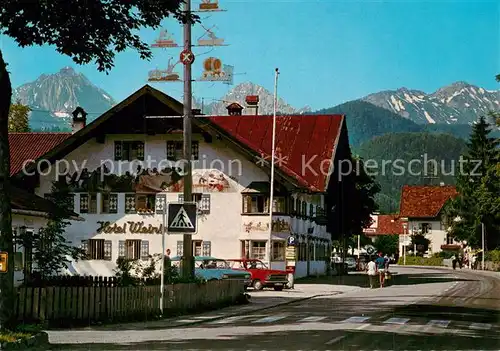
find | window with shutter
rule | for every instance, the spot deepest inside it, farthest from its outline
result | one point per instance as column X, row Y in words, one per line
column 171, row 150
column 195, row 150
column 311, row 210
column 204, row 204
column 85, row 247
column 84, row 203
column 118, row 150
column 207, row 248
column 144, row 250
column 130, row 203
column 161, row 202
column 121, row 248
column 108, row 245
column 109, row 203
column 180, row 248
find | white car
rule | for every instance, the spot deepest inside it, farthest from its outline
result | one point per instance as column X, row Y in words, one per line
column 351, row 263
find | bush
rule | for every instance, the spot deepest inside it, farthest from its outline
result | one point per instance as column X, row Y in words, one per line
column 493, row 256
column 421, row 261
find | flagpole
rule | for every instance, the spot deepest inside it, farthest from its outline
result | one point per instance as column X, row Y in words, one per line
column 271, row 188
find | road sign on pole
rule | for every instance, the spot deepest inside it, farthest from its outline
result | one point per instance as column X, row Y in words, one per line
column 182, row 218
column 187, row 57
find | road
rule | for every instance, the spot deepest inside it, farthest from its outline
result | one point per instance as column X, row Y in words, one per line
column 422, row 309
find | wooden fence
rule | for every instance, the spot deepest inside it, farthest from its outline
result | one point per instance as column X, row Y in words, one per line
column 72, row 305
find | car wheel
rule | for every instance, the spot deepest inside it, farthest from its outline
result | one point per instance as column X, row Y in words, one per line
column 278, row 288
column 257, row 285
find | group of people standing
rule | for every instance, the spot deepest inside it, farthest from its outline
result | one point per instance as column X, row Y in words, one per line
column 378, row 267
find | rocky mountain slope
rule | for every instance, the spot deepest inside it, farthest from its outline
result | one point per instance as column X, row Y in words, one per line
column 238, row 94
column 53, row 97
column 458, row 103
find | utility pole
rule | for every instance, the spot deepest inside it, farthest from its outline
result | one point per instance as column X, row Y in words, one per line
column 483, row 246
column 271, row 183
column 188, row 264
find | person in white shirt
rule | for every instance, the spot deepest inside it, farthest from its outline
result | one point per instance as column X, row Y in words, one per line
column 371, row 269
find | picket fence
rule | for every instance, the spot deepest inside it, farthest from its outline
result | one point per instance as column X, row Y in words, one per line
column 61, row 305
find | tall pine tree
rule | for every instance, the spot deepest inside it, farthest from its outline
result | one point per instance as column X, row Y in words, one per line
column 478, row 188
column 19, row 118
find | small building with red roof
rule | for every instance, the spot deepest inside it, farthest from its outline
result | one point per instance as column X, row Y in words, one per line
column 422, row 207
column 125, row 166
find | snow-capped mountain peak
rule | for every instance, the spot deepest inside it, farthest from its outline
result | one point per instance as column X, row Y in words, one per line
column 459, row 102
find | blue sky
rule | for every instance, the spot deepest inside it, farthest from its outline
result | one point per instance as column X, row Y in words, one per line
column 328, row 52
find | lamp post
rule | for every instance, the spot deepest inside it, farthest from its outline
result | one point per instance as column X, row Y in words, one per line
column 482, row 245
column 405, row 232
column 271, row 185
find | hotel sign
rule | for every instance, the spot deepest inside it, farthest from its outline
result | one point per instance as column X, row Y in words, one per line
column 129, row 227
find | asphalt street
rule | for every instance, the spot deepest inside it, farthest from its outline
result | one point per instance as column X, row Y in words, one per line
column 421, row 309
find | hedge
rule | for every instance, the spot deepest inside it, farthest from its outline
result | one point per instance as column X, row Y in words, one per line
column 421, row 261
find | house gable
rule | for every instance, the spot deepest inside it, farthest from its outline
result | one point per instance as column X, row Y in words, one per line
column 424, row 201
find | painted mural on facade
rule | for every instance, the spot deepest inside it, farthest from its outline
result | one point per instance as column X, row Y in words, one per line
column 144, row 181
column 254, row 226
column 281, row 225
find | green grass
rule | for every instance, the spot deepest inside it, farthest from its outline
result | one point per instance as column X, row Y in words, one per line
column 7, row 336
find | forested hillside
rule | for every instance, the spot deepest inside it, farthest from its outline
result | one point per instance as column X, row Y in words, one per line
column 399, row 158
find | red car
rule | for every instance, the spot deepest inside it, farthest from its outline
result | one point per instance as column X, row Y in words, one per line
column 262, row 277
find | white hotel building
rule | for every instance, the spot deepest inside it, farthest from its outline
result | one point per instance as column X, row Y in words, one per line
column 116, row 169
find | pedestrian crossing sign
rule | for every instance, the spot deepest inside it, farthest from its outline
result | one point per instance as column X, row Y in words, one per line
column 182, row 218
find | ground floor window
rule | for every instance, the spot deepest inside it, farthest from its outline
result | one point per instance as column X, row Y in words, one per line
column 258, row 250
column 278, row 251
column 97, row 249
column 302, row 252
column 23, row 254
column 133, row 249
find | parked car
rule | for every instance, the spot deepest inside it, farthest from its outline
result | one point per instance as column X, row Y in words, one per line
column 351, row 263
column 211, row 268
column 262, row 276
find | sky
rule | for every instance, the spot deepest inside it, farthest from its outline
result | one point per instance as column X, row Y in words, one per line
column 328, row 52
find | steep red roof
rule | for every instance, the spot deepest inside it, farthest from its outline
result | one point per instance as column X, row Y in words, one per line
column 299, row 139
column 385, row 225
column 31, row 146
column 424, row 201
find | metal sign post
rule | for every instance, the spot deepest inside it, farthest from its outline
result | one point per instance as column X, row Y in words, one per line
column 162, row 281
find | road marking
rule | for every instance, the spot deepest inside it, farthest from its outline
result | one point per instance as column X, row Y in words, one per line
column 480, row 326
column 355, row 320
column 439, row 323
column 335, row 340
column 229, row 320
column 270, row 319
column 206, row 317
column 363, row 326
column 312, row 319
column 396, row 321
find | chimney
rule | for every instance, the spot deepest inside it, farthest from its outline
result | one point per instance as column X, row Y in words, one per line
column 234, row 109
column 252, row 107
column 79, row 119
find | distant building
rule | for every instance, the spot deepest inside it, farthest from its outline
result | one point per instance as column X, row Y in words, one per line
column 423, row 206
column 384, row 225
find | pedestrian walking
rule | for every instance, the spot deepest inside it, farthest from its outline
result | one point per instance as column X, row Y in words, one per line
column 371, row 270
column 380, row 264
column 454, row 261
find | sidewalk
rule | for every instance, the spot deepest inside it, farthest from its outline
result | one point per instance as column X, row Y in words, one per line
column 260, row 301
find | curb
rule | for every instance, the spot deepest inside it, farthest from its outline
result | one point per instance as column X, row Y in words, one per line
column 34, row 343
column 300, row 299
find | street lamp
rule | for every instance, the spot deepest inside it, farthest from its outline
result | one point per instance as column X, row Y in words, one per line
column 405, row 232
column 271, row 187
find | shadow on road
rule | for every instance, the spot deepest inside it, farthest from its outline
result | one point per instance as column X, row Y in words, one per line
column 361, row 279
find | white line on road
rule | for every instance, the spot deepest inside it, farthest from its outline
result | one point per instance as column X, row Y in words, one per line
column 270, row 319
column 312, row 319
column 480, row 326
column 335, row 340
column 396, row 321
column 355, row 320
column 439, row 323
column 363, row 326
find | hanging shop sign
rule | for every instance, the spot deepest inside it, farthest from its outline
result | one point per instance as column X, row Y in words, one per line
column 209, row 5
column 167, row 75
column 165, row 40
column 215, row 71
column 209, row 38
column 130, row 227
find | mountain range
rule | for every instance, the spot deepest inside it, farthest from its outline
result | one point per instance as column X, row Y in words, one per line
column 53, row 97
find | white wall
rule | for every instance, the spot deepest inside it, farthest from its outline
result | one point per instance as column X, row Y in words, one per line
column 436, row 235
column 224, row 227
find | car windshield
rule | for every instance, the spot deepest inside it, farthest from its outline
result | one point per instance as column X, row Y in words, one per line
column 256, row 265
column 212, row 264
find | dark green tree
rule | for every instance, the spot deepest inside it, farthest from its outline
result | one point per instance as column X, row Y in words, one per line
column 86, row 31
column 476, row 183
column 19, row 118
column 49, row 245
column 421, row 243
column 360, row 202
column 387, row 244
